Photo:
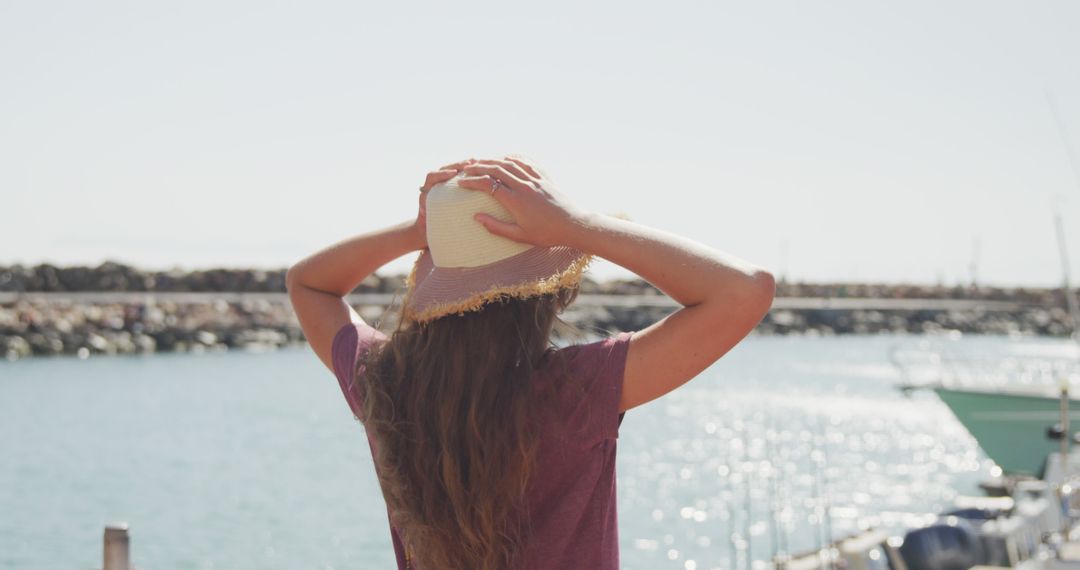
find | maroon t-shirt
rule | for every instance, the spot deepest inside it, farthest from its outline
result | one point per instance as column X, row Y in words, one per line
column 572, row 499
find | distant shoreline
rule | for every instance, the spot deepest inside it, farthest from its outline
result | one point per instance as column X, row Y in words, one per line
column 117, row 309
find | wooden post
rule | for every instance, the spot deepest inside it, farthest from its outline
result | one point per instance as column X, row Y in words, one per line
column 117, row 547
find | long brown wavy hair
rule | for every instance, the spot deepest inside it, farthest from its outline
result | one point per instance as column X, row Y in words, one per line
column 448, row 403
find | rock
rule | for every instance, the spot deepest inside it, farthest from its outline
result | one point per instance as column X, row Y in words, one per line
column 144, row 343
column 15, row 347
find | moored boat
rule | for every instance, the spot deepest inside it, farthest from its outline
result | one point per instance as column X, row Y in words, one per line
column 1015, row 427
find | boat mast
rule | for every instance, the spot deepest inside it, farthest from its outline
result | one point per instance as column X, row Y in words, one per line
column 1070, row 300
column 1067, row 142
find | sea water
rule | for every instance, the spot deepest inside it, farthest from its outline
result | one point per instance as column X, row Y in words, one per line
column 252, row 460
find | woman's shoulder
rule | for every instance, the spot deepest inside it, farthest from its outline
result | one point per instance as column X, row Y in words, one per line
column 595, row 355
column 603, row 346
column 350, row 342
column 352, row 339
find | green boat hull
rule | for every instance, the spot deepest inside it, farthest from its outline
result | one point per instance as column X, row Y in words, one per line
column 1011, row 427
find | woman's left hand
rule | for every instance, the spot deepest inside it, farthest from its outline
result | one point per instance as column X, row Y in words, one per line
column 434, row 177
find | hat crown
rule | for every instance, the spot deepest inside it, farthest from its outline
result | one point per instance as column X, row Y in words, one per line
column 454, row 237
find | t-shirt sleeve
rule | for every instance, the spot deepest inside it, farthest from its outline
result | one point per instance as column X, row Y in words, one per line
column 600, row 366
column 350, row 342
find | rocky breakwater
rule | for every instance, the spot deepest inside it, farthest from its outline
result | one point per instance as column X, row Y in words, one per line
column 114, row 308
column 49, row 310
column 37, row 328
column 855, row 308
column 821, row 309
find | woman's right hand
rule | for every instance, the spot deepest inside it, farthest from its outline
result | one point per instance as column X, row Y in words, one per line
column 542, row 215
column 434, row 177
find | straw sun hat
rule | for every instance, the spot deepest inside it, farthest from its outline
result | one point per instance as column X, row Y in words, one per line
column 465, row 266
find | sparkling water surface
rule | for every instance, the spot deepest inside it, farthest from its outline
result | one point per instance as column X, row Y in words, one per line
column 245, row 460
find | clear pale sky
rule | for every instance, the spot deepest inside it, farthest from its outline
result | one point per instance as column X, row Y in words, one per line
column 870, row 141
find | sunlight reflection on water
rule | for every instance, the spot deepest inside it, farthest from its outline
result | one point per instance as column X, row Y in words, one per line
column 748, row 458
column 253, row 460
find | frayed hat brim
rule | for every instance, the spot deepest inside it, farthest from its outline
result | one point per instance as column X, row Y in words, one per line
column 434, row 292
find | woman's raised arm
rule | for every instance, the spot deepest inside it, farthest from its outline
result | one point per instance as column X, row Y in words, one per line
column 318, row 284
column 723, row 296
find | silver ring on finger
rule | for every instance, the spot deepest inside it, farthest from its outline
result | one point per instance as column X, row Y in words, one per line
column 494, row 185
